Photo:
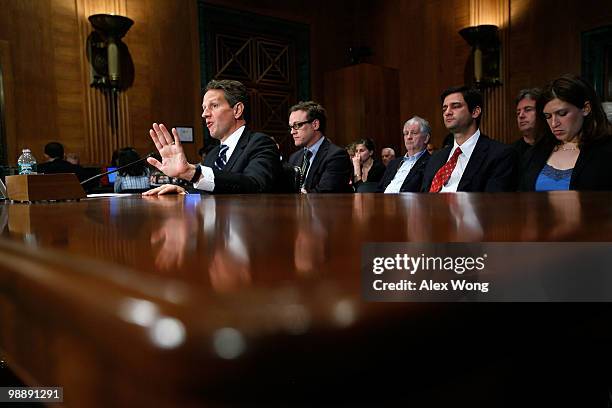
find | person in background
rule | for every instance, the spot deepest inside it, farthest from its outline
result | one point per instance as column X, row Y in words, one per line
column 350, row 149
column 473, row 162
column 387, row 154
column 573, row 148
column 134, row 177
column 203, row 151
column 73, row 158
column 324, row 167
column 405, row 174
column 366, row 169
column 526, row 119
column 431, row 148
column 55, row 162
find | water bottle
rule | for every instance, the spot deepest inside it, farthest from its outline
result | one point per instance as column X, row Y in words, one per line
column 26, row 162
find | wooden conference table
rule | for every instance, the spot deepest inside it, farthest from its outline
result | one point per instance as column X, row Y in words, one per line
column 226, row 300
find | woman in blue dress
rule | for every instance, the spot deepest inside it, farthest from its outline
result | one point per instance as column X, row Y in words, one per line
column 573, row 150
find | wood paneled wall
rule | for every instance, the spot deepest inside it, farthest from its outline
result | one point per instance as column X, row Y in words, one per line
column 51, row 98
column 361, row 101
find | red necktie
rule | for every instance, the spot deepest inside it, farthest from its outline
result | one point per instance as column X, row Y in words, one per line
column 444, row 172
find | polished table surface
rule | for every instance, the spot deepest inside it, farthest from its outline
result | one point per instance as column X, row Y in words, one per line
column 182, row 300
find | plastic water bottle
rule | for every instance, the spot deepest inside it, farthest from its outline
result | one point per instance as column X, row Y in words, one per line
column 26, row 162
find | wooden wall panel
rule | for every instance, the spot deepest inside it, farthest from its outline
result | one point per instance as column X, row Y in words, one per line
column 52, row 97
column 166, row 86
column 8, row 97
column 362, row 101
column 25, row 28
column 433, row 58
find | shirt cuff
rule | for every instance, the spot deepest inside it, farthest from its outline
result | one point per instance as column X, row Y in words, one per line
column 207, row 181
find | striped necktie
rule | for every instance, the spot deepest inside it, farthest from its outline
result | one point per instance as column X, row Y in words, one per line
column 304, row 167
column 221, row 159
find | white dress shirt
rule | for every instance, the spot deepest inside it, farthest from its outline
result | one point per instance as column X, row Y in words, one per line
column 466, row 152
column 408, row 163
column 207, row 180
column 314, row 149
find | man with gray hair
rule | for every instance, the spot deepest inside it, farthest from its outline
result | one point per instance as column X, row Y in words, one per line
column 387, row 154
column 405, row 174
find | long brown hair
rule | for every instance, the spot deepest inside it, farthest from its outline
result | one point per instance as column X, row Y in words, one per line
column 575, row 90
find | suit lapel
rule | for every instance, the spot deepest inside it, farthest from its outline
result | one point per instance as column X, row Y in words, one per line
column 420, row 163
column 441, row 158
column 477, row 158
column 395, row 165
column 210, row 158
column 240, row 146
column 321, row 153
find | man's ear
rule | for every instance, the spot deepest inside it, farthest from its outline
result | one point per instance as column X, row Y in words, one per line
column 586, row 109
column 238, row 110
column 315, row 124
column 477, row 111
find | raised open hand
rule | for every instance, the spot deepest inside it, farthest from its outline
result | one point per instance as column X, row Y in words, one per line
column 174, row 162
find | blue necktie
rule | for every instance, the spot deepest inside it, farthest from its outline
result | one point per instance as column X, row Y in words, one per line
column 221, row 159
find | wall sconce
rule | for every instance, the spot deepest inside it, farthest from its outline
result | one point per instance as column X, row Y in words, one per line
column 486, row 56
column 111, row 64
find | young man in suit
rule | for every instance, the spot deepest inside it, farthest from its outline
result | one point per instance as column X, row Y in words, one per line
column 244, row 162
column 324, row 167
column 405, row 174
column 474, row 162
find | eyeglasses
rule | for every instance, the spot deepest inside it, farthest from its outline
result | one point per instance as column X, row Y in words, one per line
column 298, row 125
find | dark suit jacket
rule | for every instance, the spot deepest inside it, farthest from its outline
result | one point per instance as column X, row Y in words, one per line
column 492, row 167
column 331, row 169
column 60, row 166
column 253, row 167
column 593, row 170
column 414, row 179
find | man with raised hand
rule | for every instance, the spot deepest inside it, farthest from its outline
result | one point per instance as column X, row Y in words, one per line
column 244, row 162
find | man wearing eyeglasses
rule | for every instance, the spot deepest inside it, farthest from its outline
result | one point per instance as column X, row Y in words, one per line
column 244, row 162
column 324, row 167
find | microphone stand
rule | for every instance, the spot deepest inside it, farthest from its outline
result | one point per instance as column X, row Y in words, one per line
column 97, row 176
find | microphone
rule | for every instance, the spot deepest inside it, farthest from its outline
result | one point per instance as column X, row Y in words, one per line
column 99, row 176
